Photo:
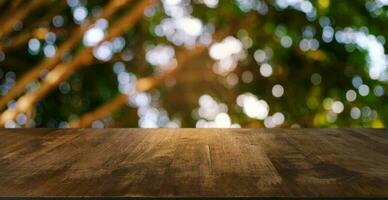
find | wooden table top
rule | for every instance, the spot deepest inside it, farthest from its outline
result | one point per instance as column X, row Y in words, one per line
column 194, row 162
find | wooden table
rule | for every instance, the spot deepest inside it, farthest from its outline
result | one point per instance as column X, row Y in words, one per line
column 194, row 162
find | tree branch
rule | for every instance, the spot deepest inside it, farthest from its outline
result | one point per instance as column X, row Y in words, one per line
column 142, row 85
column 49, row 63
column 63, row 71
column 15, row 17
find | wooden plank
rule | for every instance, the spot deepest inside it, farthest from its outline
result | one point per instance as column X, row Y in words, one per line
column 194, row 162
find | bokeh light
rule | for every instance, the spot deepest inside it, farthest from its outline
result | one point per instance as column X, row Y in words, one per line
column 194, row 63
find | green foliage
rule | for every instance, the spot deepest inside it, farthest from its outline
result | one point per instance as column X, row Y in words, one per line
column 306, row 102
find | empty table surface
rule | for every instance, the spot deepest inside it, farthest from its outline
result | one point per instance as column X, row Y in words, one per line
column 194, row 162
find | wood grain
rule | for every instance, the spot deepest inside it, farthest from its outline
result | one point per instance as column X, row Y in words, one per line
column 194, row 162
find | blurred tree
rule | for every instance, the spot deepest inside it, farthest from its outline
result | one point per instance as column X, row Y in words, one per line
column 198, row 63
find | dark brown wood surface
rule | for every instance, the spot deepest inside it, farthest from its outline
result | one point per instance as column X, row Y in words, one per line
column 194, row 162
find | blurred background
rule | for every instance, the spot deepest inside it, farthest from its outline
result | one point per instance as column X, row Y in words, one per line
column 198, row 63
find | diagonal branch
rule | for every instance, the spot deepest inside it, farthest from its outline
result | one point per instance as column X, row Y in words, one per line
column 14, row 17
column 36, row 30
column 99, row 113
column 63, row 71
column 49, row 63
column 142, row 85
